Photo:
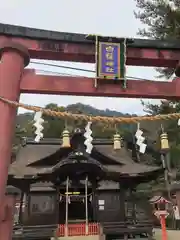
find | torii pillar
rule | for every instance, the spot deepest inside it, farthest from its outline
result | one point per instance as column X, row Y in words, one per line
column 14, row 57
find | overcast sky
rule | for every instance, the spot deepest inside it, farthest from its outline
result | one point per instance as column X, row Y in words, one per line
column 103, row 17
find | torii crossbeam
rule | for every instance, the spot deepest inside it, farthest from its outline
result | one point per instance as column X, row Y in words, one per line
column 43, row 44
column 19, row 44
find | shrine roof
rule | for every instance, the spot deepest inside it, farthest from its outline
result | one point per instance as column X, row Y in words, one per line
column 33, row 160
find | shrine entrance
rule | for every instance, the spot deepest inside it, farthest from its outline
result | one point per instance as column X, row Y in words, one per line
column 76, row 206
column 76, row 180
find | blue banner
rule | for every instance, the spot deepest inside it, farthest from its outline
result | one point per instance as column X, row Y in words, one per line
column 109, row 60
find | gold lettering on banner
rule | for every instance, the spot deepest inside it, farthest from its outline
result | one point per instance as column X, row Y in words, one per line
column 109, row 69
column 110, row 64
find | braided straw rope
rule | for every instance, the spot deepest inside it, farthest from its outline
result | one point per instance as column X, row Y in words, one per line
column 108, row 120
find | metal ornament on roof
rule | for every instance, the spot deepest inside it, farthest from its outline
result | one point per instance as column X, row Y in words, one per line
column 117, row 141
column 164, row 140
column 88, row 137
column 66, row 138
column 38, row 125
column 140, row 140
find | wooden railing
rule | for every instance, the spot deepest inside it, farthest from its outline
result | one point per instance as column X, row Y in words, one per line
column 78, row 229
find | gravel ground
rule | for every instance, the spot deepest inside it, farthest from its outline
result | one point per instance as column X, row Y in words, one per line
column 172, row 234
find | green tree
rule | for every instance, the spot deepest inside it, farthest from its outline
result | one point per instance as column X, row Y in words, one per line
column 170, row 126
column 19, row 133
column 161, row 19
column 54, row 126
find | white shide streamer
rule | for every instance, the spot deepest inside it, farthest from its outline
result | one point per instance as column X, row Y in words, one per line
column 140, row 139
column 88, row 137
column 38, row 125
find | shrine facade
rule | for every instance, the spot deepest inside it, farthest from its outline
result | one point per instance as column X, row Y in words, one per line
column 62, row 186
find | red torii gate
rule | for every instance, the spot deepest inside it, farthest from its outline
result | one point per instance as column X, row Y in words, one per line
column 19, row 44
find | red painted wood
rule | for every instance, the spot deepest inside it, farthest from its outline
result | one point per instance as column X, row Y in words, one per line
column 82, row 86
column 11, row 68
column 74, row 52
column 163, row 227
column 79, row 229
column 13, row 59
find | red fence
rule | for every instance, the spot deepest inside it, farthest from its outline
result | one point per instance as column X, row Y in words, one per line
column 79, row 229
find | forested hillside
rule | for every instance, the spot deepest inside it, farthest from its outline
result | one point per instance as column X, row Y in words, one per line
column 54, row 126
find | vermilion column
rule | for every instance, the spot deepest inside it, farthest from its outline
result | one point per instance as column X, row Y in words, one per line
column 14, row 57
column 163, row 227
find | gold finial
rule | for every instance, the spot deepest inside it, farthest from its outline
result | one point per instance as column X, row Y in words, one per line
column 66, row 139
column 117, row 141
column 164, row 142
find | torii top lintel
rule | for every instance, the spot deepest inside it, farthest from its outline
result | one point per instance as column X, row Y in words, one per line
column 51, row 45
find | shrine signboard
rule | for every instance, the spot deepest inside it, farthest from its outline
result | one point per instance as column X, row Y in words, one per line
column 111, row 60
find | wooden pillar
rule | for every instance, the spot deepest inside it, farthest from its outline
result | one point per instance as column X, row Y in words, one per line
column 122, row 202
column 57, row 199
column 27, row 203
column 86, row 204
column 20, row 220
column 67, row 207
column 94, row 202
column 13, row 59
column 133, row 204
